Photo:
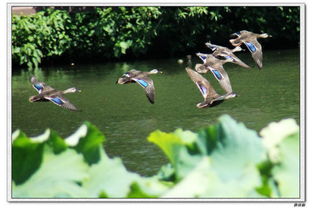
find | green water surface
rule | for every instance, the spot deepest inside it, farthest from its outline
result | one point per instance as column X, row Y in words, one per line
column 124, row 115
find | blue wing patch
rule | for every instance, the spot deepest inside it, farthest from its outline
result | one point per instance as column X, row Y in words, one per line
column 203, row 58
column 229, row 57
column 142, row 82
column 203, row 89
column 57, row 100
column 217, row 74
column 38, row 86
column 251, row 47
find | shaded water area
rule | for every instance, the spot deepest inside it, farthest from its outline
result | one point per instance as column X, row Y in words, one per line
column 124, row 115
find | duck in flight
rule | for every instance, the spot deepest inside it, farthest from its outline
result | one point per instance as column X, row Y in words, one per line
column 224, row 52
column 47, row 93
column 215, row 66
column 143, row 79
column 251, row 42
column 211, row 97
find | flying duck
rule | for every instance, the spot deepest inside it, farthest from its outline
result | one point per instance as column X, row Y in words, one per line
column 251, row 42
column 142, row 78
column 215, row 66
column 47, row 93
column 208, row 92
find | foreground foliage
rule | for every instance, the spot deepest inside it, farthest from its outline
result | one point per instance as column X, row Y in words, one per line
column 225, row 160
column 106, row 33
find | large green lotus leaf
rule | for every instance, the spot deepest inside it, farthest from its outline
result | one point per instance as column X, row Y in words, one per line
column 196, row 183
column 282, row 142
column 179, row 147
column 58, row 176
column 148, row 188
column 237, row 148
column 286, row 173
column 205, row 182
column 26, row 157
column 170, row 143
column 27, row 152
column 274, row 133
column 187, row 157
column 207, row 139
column 108, row 177
column 235, row 152
column 87, row 140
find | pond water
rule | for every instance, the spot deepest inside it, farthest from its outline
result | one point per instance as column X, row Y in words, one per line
column 124, row 115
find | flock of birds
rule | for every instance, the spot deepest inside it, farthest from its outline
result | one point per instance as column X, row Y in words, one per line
column 211, row 62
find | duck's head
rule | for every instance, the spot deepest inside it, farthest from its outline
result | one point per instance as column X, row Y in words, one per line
column 33, row 79
column 71, row 90
column 33, row 99
column 155, row 71
column 122, row 80
column 265, row 35
column 235, row 42
column 202, row 104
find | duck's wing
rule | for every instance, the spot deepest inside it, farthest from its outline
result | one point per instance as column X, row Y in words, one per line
column 239, row 62
column 229, row 55
column 205, row 88
column 212, row 47
column 220, row 74
column 40, row 86
column 61, row 101
column 125, row 78
column 256, row 51
column 202, row 56
column 148, row 85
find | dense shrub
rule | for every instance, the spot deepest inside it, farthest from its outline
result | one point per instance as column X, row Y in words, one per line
column 118, row 32
column 39, row 36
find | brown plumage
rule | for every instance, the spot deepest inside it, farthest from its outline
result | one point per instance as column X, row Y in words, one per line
column 47, row 93
column 215, row 66
column 224, row 52
column 251, row 42
column 205, row 88
column 143, row 79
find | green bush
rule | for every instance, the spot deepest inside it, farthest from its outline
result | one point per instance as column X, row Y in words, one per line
column 225, row 160
column 117, row 32
column 39, row 36
column 114, row 31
